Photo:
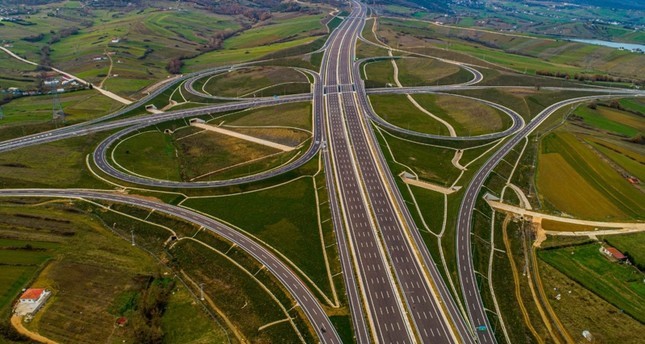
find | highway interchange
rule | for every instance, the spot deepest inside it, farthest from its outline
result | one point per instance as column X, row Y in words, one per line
column 395, row 292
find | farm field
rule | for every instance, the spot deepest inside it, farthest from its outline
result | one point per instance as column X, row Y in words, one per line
column 611, row 120
column 619, row 284
column 576, row 181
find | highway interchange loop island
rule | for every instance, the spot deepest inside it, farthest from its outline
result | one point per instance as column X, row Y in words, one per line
column 395, row 291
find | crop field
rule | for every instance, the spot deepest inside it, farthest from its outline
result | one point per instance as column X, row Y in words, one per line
column 247, row 82
column 584, row 310
column 576, row 181
column 283, row 217
column 619, row 284
column 78, row 106
column 626, row 158
column 612, row 120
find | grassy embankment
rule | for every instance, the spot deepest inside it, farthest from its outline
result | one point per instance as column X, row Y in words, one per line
column 468, row 117
column 255, row 81
column 192, row 154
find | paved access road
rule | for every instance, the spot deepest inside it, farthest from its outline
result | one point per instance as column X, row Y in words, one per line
column 300, row 292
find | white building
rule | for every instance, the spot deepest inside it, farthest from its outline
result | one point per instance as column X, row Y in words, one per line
column 31, row 300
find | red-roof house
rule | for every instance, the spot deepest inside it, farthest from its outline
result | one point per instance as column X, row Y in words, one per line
column 613, row 253
column 33, row 295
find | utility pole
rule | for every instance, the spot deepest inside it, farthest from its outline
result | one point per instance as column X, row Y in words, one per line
column 1, row 113
column 132, row 232
column 201, row 290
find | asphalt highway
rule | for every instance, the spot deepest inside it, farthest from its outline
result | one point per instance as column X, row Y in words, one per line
column 394, row 289
column 398, row 291
column 298, row 290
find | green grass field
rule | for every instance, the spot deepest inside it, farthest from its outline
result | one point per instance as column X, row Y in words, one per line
column 619, row 284
column 428, row 162
column 78, row 106
column 278, row 29
column 56, row 164
column 283, row 217
column 520, row 53
column 151, row 154
column 576, row 181
column 398, row 110
column 612, row 120
column 421, row 71
column 248, row 82
column 467, row 116
column 632, row 245
column 584, row 310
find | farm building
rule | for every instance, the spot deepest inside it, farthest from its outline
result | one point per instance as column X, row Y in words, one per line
column 31, row 300
column 612, row 252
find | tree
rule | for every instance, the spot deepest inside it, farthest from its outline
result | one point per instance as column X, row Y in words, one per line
column 174, row 66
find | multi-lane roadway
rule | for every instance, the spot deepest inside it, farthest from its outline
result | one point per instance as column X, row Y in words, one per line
column 395, row 293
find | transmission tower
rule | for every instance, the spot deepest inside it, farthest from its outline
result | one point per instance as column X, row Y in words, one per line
column 57, row 109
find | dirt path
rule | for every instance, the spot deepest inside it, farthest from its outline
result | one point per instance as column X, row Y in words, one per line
column 451, row 130
column 243, row 137
column 444, row 190
column 456, row 158
column 516, row 280
column 16, row 321
column 625, row 227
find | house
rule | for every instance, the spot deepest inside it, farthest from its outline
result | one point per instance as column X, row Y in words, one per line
column 33, row 295
column 612, row 252
column 31, row 300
